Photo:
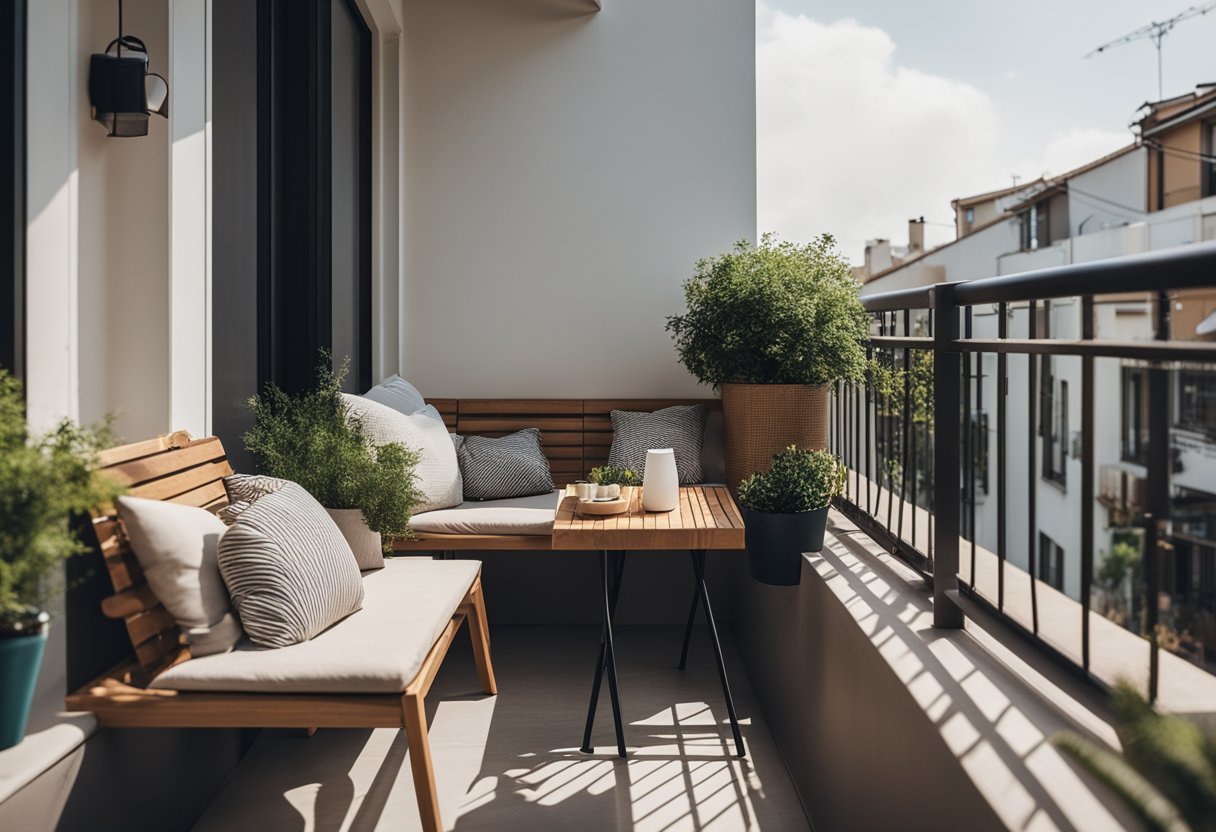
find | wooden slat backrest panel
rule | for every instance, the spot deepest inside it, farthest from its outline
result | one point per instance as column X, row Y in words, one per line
column 576, row 434
column 560, row 422
column 176, row 468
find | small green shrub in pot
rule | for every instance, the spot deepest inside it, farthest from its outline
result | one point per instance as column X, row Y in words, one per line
column 311, row 439
column 45, row 481
column 607, row 476
column 785, row 511
column 771, row 326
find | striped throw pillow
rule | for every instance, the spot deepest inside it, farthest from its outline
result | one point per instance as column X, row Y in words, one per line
column 509, row 466
column 288, row 569
column 681, row 428
column 243, row 490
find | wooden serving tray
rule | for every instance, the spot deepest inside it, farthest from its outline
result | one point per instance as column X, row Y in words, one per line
column 590, row 507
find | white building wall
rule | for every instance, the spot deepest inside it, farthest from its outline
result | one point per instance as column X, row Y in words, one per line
column 1110, row 195
column 564, row 170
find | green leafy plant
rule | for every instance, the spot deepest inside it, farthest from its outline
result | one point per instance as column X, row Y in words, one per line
column 614, row 475
column 1167, row 773
column 312, row 439
column 772, row 313
column 45, row 479
column 797, row 481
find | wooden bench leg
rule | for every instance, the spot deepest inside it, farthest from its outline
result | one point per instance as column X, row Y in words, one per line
column 414, row 711
column 479, row 631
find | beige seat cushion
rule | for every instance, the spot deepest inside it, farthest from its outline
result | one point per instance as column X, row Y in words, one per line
column 517, row 515
column 379, row 649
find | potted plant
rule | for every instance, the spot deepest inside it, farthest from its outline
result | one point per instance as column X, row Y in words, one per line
column 624, row 479
column 311, row 439
column 785, row 512
column 44, row 481
column 772, row 326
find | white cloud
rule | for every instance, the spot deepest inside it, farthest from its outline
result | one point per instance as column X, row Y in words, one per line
column 852, row 143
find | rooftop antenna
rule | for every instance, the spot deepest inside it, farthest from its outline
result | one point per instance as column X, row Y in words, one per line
column 1156, row 31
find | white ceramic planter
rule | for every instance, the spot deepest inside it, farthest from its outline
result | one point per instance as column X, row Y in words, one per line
column 364, row 542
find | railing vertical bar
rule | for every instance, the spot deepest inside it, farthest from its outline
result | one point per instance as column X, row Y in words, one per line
column 1087, row 475
column 1002, row 391
column 968, row 447
column 1032, row 394
column 907, row 426
column 869, row 422
column 1158, row 487
column 946, row 366
column 930, row 442
column 856, row 400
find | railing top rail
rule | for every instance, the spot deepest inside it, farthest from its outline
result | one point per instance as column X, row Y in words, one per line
column 1183, row 267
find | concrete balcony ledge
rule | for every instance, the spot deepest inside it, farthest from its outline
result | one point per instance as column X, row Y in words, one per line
column 39, row 754
column 885, row 722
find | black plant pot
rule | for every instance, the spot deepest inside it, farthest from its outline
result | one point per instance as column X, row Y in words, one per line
column 775, row 543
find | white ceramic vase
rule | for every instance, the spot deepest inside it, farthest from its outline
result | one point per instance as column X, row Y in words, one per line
column 661, row 483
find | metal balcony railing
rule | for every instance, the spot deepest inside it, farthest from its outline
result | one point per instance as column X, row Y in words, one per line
column 1000, row 509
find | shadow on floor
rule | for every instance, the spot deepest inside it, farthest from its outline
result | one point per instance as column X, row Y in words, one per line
column 512, row 761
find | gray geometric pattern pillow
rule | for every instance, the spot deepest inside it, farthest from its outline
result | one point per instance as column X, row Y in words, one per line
column 243, row 490
column 681, row 428
column 508, row 466
column 288, row 569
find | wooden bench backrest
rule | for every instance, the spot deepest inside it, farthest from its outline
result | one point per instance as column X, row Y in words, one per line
column 576, row 434
column 174, row 468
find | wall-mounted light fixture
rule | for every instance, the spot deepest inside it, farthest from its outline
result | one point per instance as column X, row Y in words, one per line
column 121, row 90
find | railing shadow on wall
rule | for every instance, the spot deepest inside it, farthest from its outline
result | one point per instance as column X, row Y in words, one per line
column 1083, row 510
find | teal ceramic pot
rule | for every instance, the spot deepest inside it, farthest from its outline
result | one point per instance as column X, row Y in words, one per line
column 20, row 658
column 776, row 542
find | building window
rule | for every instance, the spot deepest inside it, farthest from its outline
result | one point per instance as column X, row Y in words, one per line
column 1135, row 416
column 1053, row 423
column 1209, row 180
column 969, row 217
column 1196, row 410
column 1051, row 562
column 979, row 451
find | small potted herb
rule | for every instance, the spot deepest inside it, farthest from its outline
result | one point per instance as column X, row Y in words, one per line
column 311, row 439
column 45, row 480
column 624, row 480
column 785, row 510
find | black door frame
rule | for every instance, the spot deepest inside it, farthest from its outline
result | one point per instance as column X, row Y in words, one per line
column 294, row 191
column 12, row 186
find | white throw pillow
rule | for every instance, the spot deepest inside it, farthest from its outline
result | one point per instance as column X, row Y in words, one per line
column 438, row 472
column 176, row 547
column 289, row 570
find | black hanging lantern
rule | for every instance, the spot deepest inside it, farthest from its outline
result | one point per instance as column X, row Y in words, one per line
column 121, row 90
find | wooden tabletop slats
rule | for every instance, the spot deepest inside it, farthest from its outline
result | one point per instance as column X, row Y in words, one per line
column 705, row 519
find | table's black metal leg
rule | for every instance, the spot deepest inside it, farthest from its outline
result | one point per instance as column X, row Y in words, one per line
column 612, row 575
column 692, row 617
column 698, row 567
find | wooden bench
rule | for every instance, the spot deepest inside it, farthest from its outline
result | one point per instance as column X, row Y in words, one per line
column 576, row 435
column 184, row 470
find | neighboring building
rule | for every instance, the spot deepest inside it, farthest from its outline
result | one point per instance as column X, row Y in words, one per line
column 1155, row 193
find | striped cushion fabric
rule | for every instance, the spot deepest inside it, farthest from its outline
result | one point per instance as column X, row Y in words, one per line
column 681, row 428
column 243, row 490
column 508, row 466
column 288, row 569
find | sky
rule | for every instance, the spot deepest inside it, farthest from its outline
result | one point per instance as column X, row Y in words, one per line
column 871, row 112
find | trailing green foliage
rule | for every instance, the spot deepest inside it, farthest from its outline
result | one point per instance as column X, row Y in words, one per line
column 772, row 313
column 796, row 481
column 614, row 475
column 44, row 481
column 312, row 439
column 1171, row 753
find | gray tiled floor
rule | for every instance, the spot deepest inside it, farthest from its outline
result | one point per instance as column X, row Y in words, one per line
column 512, row 762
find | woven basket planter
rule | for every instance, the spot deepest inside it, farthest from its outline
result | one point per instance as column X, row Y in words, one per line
column 762, row 419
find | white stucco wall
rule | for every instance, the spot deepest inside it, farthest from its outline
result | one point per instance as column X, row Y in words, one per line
column 563, row 171
column 974, row 257
column 1112, row 194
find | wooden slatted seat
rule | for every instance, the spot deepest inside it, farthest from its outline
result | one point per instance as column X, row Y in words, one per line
column 576, row 435
column 190, row 471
